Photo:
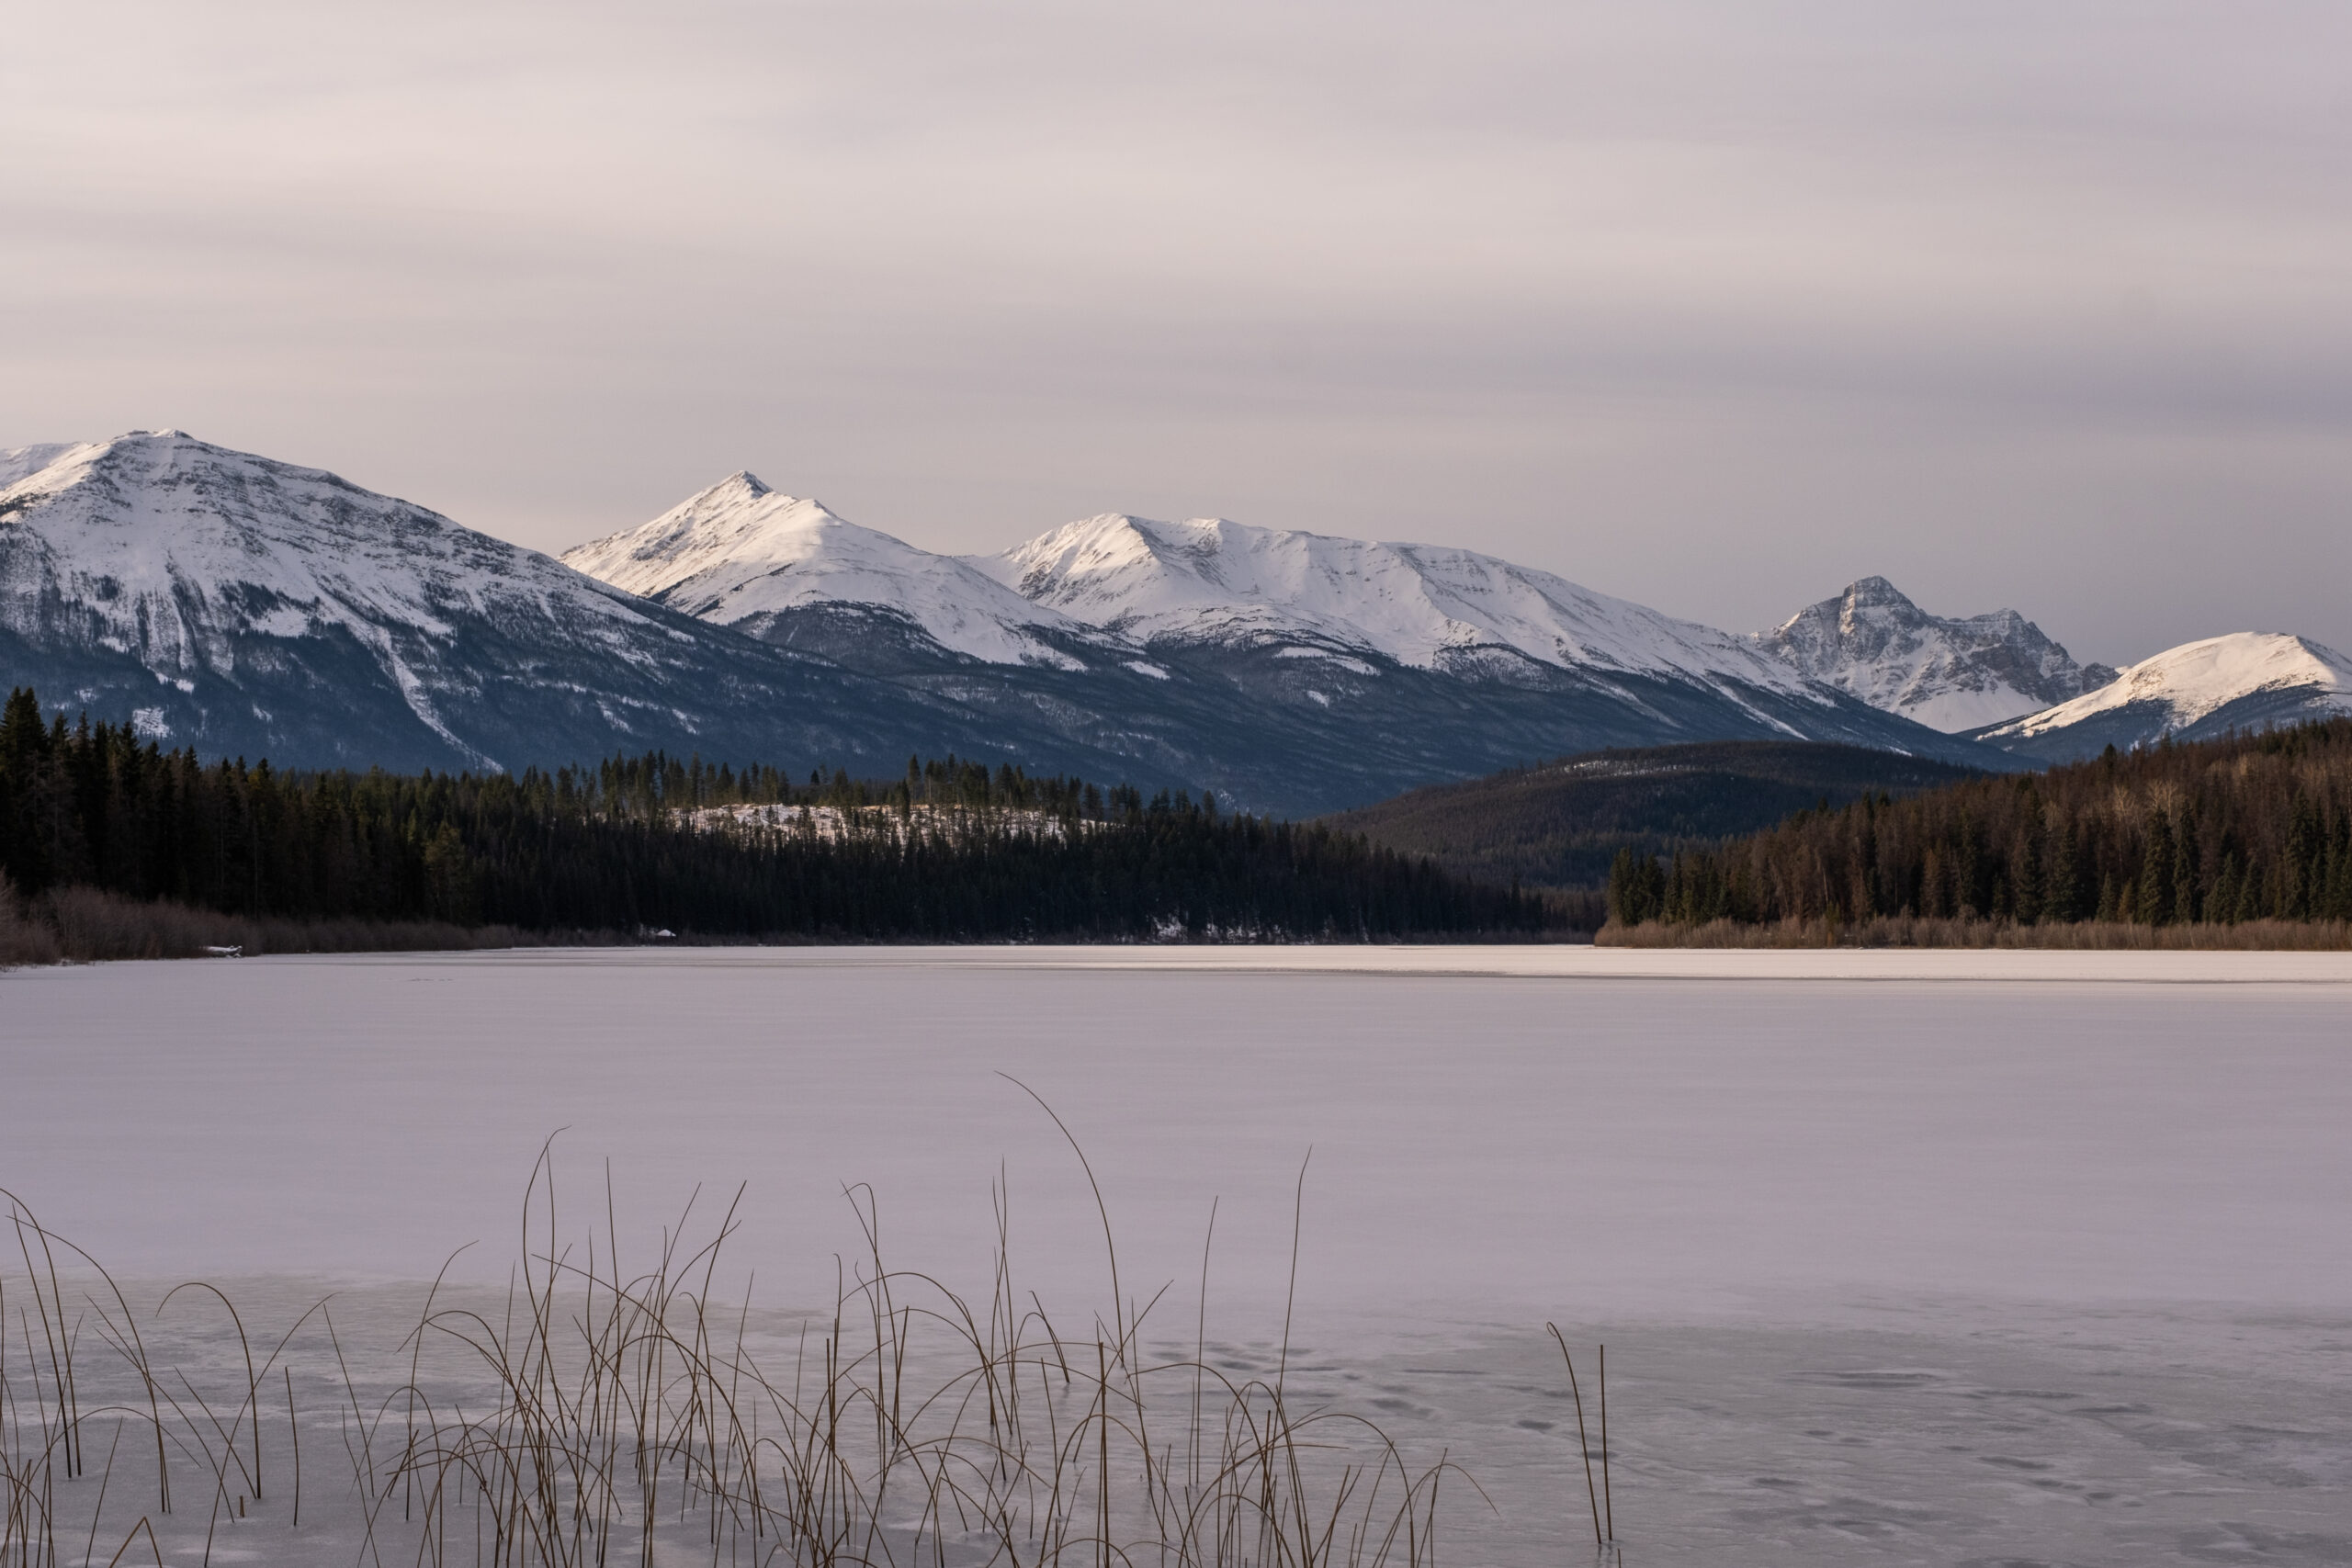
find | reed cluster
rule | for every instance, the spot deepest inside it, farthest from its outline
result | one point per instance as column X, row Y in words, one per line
column 598, row 1414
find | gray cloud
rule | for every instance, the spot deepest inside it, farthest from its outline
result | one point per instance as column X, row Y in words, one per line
column 1716, row 306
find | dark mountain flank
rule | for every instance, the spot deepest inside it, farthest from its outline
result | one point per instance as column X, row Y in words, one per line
column 1561, row 823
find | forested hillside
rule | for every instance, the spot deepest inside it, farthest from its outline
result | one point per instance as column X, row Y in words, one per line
column 951, row 851
column 1562, row 824
column 2243, row 829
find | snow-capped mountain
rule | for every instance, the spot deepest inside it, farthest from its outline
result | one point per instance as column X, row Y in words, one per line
column 1427, row 607
column 2243, row 681
column 241, row 604
column 1952, row 674
column 740, row 554
column 1292, row 671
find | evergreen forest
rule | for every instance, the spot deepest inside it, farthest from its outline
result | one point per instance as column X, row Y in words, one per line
column 950, row 851
column 2243, row 829
column 1560, row 825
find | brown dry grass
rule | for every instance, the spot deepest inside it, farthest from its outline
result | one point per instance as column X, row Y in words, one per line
column 85, row 925
column 1910, row 932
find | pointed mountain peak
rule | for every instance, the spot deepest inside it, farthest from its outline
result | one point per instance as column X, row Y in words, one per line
column 741, row 554
column 1876, row 592
column 737, row 488
column 1949, row 673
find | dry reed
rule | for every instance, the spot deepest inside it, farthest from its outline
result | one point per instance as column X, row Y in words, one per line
column 1903, row 931
column 612, row 1416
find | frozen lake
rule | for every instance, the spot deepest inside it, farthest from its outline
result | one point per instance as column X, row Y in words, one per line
column 1901, row 1258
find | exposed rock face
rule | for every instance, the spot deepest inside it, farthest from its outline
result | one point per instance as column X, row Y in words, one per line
column 1952, row 674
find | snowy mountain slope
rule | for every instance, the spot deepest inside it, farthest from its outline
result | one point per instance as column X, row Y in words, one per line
column 241, row 604
column 1952, row 674
column 741, row 555
column 15, row 462
column 237, row 603
column 1210, row 580
column 1293, row 671
column 2243, row 681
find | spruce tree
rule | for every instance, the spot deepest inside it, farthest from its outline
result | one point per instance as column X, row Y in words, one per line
column 2155, row 900
column 2185, row 871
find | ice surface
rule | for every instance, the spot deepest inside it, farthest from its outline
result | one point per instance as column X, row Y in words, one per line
column 1929, row 1258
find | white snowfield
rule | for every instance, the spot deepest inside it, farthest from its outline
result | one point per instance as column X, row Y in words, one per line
column 739, row 550
column 1209, row 579
column 2200, row 678
column 1947, row 673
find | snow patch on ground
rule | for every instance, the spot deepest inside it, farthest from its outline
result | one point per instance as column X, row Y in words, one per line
column 832, row 823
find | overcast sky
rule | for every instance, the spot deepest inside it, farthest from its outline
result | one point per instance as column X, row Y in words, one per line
column 1715, row 306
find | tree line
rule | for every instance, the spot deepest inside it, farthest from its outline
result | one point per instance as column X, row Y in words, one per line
column 951, row 851
column 2245, row 828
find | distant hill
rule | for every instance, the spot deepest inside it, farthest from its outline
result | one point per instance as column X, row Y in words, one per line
column 2254, row 827
column 1559, row 824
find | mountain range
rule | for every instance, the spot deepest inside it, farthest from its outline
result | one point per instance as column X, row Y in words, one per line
column 243, row 604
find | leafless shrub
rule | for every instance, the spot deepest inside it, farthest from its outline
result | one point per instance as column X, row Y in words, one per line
column 88, row 925
column 24, row 938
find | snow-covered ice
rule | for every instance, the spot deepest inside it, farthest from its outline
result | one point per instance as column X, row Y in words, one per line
column 1900, row 1257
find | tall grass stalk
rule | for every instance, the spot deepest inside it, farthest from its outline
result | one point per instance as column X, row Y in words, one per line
column 609, row 1415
